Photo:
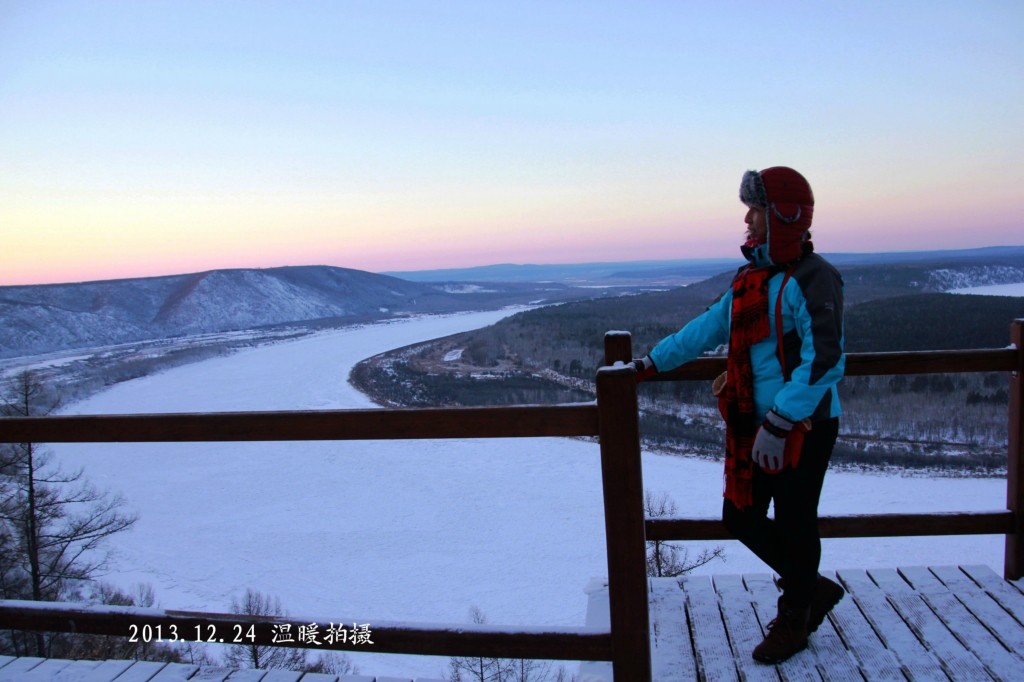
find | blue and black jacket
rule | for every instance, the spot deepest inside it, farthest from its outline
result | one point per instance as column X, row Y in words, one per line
column 812, row 326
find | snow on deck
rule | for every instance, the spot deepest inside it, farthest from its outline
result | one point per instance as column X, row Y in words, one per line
column 27, row 669
column 936, row 623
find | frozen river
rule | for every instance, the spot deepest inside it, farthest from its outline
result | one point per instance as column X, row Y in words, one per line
column 414, row 530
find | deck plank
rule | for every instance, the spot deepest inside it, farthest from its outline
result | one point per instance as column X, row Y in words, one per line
column 106, row 671
column 889, row 581
column 76, row 671
column 1001, row 663
column 834, row 662
column 955, row 580
column 745, row 631
column 944, row 601
column 175, row 671
column 922, row 580
column 142, row 671
column 211, row 674
column 1001, row 624
column 19, row 666
column 671, row 650
column 875, row 660
column 993, row 616
column 247, row 675
column 917, row 662
column 45, row 671
column 710, row 643
column 282, row 676
column 1008, row 597
column 960, row 663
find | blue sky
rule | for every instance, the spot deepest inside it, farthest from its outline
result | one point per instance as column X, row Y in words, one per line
column 150, row 138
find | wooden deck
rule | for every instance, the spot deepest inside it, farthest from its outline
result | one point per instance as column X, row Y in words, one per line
column 938, row 623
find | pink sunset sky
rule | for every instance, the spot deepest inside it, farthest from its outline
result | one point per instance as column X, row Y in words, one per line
column 153, row 138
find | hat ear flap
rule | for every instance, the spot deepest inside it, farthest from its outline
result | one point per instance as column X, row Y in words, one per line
column 789, row 223
column 787, row 212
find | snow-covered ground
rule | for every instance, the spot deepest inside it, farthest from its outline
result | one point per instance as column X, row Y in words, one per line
column 415, row 530
column 994, row 290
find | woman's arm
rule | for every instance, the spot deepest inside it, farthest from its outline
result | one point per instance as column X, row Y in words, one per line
column 701, row 334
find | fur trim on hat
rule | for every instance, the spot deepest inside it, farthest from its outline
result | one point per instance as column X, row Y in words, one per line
column 752, row 190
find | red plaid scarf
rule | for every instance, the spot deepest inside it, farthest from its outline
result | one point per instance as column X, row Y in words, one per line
column 748, row 326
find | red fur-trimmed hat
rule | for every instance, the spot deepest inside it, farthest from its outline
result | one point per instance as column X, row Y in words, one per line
column 789, row 207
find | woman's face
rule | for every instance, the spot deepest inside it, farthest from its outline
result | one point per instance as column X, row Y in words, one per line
column 757, row 227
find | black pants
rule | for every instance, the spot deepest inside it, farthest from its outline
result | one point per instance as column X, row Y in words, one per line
column 790, row 544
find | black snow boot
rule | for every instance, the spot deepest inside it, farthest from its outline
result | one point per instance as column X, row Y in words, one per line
column 787, row 634
column 827, row 593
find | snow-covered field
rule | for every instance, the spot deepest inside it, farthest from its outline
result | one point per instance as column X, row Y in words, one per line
column 415, row 530
column 993, row 290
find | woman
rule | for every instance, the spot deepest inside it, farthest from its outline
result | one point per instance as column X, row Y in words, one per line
column 779, row 400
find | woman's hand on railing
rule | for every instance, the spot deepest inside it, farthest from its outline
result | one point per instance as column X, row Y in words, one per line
column 644, row 368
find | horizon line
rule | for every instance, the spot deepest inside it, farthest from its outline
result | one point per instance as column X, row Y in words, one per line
column 390, row 273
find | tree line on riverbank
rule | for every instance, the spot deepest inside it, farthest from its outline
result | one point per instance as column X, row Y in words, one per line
column 954, row 422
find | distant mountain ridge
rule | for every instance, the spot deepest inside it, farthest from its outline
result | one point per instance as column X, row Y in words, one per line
column 41, row 318
column 569, row 272
column 696, row 268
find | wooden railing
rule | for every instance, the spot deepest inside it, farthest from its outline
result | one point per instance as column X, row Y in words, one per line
column 614, row 418
column 1004, row 521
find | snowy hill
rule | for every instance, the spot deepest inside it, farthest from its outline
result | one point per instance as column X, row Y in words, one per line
column 37, row 319
column 949, row 279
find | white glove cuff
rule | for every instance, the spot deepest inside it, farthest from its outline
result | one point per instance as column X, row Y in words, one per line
column 778, row 421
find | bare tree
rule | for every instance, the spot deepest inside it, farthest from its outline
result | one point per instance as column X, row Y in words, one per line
column 331, row 663
column 197, row 653
column 54, row 522
column 475, row 669
column 255, row 603
column 13, row 578
column 667, row 560
column 100, row 647
column 479, row 669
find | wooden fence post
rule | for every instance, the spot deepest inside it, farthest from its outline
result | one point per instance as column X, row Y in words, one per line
column 1013, row 563
column 617, row 346
column 622, row 477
